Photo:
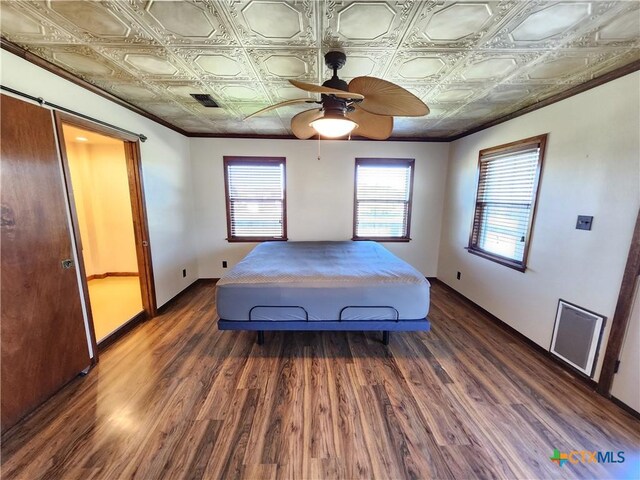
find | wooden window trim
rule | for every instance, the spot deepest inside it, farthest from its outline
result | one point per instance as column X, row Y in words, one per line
column 259, row 161
column 381, row 239
column 383, row 161
column 541, row 141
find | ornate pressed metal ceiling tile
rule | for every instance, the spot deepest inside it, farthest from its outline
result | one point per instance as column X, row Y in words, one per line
column 472, row 61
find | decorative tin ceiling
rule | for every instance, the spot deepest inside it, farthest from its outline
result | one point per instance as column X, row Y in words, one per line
column 471, row 61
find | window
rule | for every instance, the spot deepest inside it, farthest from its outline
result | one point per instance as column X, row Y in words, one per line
column 383, row 199
column 256, row 199
column 505, row 201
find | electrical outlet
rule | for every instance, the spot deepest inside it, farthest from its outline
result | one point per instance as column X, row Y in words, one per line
column 224, row 264
column 184, row 272
column 458, row 275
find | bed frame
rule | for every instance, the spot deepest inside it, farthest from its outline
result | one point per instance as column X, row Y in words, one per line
column 385, row 326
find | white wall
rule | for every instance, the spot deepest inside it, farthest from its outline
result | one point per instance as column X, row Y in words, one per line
column 319, row 195
column 591, row 167
column 165, row 164
column 104, row 211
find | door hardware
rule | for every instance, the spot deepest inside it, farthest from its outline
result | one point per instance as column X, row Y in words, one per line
column 67, row 264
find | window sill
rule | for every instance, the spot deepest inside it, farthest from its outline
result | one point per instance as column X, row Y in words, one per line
column 255, row 239
column 497, row 259
column 381, row 239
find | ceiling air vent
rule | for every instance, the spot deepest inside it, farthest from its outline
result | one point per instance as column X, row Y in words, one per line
column 205, row 100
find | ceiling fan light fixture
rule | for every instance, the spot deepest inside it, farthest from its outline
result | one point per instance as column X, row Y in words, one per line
column 366, row 103
column 333, row 126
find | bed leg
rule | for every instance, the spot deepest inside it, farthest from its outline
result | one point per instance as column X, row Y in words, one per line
column 385, row 337
column 260, row 337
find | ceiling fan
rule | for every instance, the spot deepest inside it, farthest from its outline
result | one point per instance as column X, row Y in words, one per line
column 366, row 104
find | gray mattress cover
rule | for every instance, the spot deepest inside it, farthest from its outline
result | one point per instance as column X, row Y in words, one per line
column 322, row 278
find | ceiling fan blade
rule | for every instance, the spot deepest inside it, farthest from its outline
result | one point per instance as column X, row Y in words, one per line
column 376, row 127
column 300, row 123
column 310, row 87
column 386, row 98
column 281, row 104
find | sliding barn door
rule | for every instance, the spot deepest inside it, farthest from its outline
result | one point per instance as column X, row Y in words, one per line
column 43, row 342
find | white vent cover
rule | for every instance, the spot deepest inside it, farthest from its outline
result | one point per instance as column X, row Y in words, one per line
column 576, row 336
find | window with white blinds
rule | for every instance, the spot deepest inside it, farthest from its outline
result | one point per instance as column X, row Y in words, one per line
column 383, row 199
column 256, row 198
column 505, row 201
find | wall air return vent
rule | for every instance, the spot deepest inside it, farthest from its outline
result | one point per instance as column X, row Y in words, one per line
column 205, row 100
column 576, row 336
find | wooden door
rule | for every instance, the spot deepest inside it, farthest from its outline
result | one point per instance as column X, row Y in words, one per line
column 43, row 341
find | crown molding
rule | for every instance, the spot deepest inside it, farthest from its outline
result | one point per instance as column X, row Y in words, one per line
column 583, row 87
column 291, row 137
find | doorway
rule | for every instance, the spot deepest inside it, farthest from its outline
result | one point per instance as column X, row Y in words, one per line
column 102, row 174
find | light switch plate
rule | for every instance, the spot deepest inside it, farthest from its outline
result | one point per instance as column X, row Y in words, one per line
column 584, row 222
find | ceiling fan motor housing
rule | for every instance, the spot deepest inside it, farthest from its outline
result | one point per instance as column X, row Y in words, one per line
column 334, row 106
column 336, row 83
column 335, row 61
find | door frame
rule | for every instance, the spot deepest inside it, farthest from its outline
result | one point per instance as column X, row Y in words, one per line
column 622, row 313
column 138, row 210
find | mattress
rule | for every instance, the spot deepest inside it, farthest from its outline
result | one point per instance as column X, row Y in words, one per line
column 322, row 281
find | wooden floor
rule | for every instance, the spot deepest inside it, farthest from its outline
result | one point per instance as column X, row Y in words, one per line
column 109, row 315
column 177, row 398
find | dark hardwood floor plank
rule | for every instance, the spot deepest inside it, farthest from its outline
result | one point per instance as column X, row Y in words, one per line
column 423, row 386
column 262, row 357
column 178, row 399
column 173, row 426
column 378, row 443
column 259, row 472
column 465, row 461
column 192, row 455
column 283, row 436
column 415, row 447
column 223, row 389
column 348, row 427
column 489, row 436
column 222, row 448
column 328, row 468
column 270, row 369
column 318, row 426
column 233, row 467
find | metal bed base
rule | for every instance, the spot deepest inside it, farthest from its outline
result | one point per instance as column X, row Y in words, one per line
column 385, row 326
column 385, row 337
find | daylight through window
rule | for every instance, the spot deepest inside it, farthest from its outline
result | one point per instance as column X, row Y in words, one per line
column 505, row 201
column 256, row 198
column 383, row 199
